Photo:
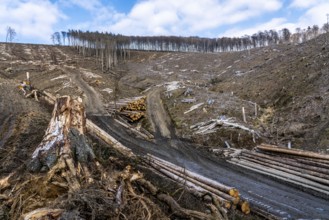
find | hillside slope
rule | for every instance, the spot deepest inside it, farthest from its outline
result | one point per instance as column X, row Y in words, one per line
column 288, row 82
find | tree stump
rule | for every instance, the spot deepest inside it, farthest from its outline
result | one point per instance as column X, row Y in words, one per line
column 64, row 148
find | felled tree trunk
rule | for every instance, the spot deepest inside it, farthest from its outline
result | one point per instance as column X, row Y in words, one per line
column 64, row 149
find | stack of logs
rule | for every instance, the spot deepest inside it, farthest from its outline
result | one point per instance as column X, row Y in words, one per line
column 222, row 195
column 132, row 108
column 303, row 168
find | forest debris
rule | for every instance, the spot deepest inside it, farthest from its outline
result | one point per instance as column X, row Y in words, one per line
column 43, row 213
column 4, row 182
column 108, row 90
column 188, row 100
column 174, row 85
column 203, row 127
column 89, row 74
column 193, row 107
column 59, row 77
column 93, row 128
column 271, row 148
column 141, row 132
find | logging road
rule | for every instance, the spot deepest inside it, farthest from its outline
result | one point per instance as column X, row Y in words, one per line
column 280, row 199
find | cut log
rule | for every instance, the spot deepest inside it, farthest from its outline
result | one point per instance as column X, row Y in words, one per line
column 288, row 169
column 289, row 163
column 93, row 128
column 227, row 189
column 211, row 189
column 272, row 148
column 194, row 187
column 282, row 175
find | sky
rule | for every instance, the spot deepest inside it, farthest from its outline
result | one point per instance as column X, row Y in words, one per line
column 35, row 20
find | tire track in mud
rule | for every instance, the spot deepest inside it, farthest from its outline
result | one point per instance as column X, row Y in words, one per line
column 159, row 119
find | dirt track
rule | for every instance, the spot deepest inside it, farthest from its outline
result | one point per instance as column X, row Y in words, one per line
column 278, row 198
column 157, row 114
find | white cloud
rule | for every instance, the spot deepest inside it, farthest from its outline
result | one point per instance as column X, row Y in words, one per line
column 315, row 15
column 275, row 23
column 186, row 17
column 30, row 19
column 302, row 3
column 313, row 12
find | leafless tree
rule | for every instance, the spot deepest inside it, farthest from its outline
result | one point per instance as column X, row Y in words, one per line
column 11, row 34
column 56, row 38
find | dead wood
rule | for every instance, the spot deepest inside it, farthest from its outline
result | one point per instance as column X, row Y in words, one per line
column 193, row 188
column 43, row 213
column 175, row 208
column 93, row 128
column 288, row 169
column 309, row 154
column 227, row 189
column 234, row 200
column 283, row 175
column 290, row 163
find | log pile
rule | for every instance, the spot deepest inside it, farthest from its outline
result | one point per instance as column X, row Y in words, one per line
column 225, row 197
column 132, row 108
column 305, row 169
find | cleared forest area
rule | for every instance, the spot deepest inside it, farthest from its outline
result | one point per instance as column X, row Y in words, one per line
column 192, row 111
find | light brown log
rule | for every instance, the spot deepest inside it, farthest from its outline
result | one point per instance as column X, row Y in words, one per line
column 288, row 163
column 192, row 187
column 268, row 163
column 244, row 207
column 312, row 163
column 132, row 129
column 93, row 128
column 224, row 195
column 287, row 177
column 321, row 162
column 227, row 189
column 296, row 152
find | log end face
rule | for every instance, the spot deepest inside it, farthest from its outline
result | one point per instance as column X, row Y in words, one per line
column 245, row 207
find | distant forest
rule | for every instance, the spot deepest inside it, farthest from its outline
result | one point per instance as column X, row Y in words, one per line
column 107, row 46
